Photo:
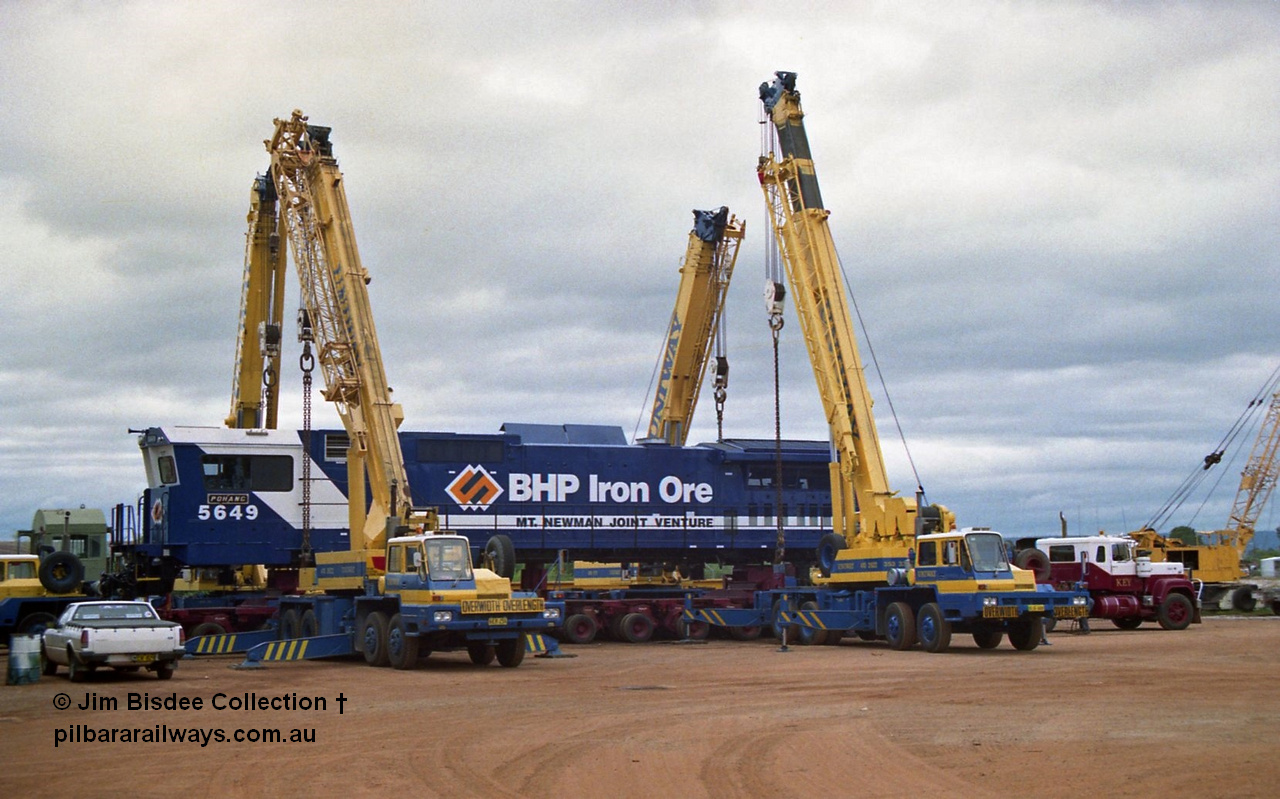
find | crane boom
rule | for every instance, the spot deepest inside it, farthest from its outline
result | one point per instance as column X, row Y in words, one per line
column 866, row 512
column 1256, row 482
column 695, row 323
column 255, row 387
column 314, row 212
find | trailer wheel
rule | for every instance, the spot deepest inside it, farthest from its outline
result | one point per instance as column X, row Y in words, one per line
column 373, row 637
column 1025, row 634
column 900, row 626
column 481, row 653
column 61, row 573
column 500, row 556
column 36, row 623
column 1175, row 612
column 580, row 628
column 510, row 651
column 402, row 648
column 1128, row 622
column 308, row 624
column 1242, row 599
column 808, row 635
column 636, row 628
column 289, row 625
column 988, row 637
column 692, row 630
column 208, row 628
column 934, row 629
column 753, row 632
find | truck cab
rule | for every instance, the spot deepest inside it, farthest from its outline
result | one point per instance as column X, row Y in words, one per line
column 958, row 560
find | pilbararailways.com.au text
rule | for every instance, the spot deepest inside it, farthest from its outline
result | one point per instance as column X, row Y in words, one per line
column 162, row 733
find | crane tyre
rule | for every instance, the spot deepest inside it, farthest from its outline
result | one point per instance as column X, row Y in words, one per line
column 61, row 573
column 510, row 651
column 373, row 639
column 828, row 547
column 1034, row 561
column 900, row 626
column 290, row 625
column 1242, row 599
column 933, row 629
column 1175, row 612
column 810, row 636
column 402, row 648
column 308, row 624
column 208, row 628
column 580, row 628
column 1025, row 634
column 500, row 556
column 36, row 623
column 988, row 637
column 481, row 653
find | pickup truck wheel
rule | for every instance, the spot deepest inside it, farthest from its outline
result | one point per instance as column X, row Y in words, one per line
column 637, row 628
column 373, row 639
column 61, row 573
column 988, row 637
column 933, row 628
column 47, row 667
column 900, row 626
column 36, row 623
column 1128, row 623
column 580, row 628
column 1176, row 612
column 810, row 636
column 1025, row 634
column 510, row 651
column 76, row 671
column 165, row 670
column 402, row 648
column 481, row 653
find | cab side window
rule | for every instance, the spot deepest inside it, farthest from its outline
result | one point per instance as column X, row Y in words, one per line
column 928, row 554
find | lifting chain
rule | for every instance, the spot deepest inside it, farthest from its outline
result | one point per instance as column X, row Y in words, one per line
column 307, row 362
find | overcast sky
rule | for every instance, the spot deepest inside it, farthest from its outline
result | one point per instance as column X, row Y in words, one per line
column 1060, row 221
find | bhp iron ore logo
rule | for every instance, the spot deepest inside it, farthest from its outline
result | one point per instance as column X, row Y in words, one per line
column 474, row 488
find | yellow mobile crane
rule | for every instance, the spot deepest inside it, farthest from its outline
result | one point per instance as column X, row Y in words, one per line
column 255, row 387
column 890, row 569
column 1219, row 561
column 696, row 325
column 405, row 587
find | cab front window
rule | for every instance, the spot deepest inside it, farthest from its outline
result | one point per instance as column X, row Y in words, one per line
column 986, row 551
column 448, row 560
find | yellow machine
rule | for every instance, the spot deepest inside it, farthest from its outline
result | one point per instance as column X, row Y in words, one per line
column 337, row 317
column 1219, row 561
column 873, row 526
column 696, row 325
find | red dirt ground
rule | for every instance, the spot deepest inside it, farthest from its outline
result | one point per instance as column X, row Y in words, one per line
column 1115, row 714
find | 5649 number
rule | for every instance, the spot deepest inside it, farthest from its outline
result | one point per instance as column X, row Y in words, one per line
column 223, row 512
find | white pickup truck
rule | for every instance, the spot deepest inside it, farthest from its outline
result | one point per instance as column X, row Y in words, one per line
column 126, row 636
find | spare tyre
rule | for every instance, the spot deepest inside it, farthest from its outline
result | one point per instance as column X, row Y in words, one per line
column 61, row 573
column 1035, row 561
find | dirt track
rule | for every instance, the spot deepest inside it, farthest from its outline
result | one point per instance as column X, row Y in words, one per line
column 1144, row 713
